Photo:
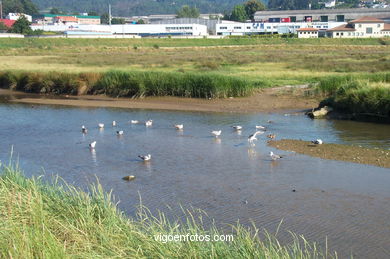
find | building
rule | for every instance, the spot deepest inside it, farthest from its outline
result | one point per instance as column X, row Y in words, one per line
column 7, row 22
column 67, row 20
column 48, row 19
column 305, row 33
column 364, row 27
column 322, row 15
column 16, row 16
column 236, row 28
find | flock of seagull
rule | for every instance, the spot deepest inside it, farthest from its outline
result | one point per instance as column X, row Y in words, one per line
column 216, row 133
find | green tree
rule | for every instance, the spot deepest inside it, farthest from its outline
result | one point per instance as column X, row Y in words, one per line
column 252, row 6
column 3, row 27
column 188, row 12
column 55, row 11
column 19, row 6
column 104, row 19
column 118, row 21
column 140, row 21
column 22, row 26
column 92, row 13
column 238, row 14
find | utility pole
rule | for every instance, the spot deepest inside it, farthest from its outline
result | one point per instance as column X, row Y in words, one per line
column 1, row 9
column 109, row 14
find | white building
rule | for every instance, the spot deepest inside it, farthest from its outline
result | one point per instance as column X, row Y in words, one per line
column 330, row 4
column 235, row 28
column 306, row 33
column 365, row 27
column 142, row 30
column 16, row 16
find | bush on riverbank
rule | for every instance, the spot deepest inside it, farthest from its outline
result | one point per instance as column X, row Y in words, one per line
column 128, row 84
column 361, row 94
column 39, row 220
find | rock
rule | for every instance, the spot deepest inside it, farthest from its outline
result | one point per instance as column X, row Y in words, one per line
column 319, row 113
column 129, row 178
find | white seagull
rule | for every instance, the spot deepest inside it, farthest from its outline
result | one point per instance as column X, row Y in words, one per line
column 134, row 122
column 317, row 141
column 92, row 145
column 179, row 126
column 101, row 125
column 274, row 156
column 84, row 129
column 237, row 127
column 148, row 123
column 114, row 123
column 119, row 132
column 252, row 137
column 146, row 157
column 260, row 127
column 216, row 133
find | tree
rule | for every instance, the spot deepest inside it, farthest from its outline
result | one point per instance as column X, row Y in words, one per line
column 19, row 6
column 140, row 21
column 92, row 13
column 118, row 21
column 55, row 11
column 188, row 12
column 104, row 19
column 252, row 6
column 3, row 27
column 238, row 14
column 22, row 26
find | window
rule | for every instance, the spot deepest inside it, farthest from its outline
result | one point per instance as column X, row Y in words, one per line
column 223, row 28
column 324, row 18
column 378, row 25
column 369, row 30
column 248, row 27
column 342, row 34
column 339, row 18
column 337, row 34
column 360, row 26
column 237, row 28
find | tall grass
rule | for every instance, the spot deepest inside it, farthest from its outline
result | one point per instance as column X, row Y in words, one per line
column 359, row 94
column 129, row 84
column 57, row 220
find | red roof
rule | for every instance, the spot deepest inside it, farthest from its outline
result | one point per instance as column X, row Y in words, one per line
column 7, row 22
column 386, row 27
column 367, row 19
column 344, row 27
column 307, row 29
column 67, row 18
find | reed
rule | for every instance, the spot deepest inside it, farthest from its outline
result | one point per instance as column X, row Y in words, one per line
column 57, row 220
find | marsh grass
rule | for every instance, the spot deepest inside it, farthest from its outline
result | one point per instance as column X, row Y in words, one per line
column 57, row 220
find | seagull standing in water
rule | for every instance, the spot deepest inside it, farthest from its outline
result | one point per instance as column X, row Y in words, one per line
column 260, row 127
column 101, row 125
column 274, row 156
column 237, row 127
column 252, row 137
column 317, row 141
column 114, row 123
column 179, row 126
column 119, row 132
column 134, row 122
column 148, row 123
column 92, row 145
column 84, row 129
column 146, row 157
column 216, row 133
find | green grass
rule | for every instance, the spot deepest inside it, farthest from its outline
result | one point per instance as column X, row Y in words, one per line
column 128, row 84
column 57, row 220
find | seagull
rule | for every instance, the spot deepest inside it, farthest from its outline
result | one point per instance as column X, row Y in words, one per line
column 237, row 127
column 114, row 123
column 252, row 137
column 101, row 125
column 148, row 123
column 92, row 145
column 134, row 122
column 146, row 157
column 179, row 126
column 317, row 141
column 216, row 133
column 271, row 136
column 274, row 156
column 119, row 132
column 84, row 129
column 260, row 127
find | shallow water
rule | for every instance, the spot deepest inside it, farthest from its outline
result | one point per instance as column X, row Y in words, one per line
column 347, row 203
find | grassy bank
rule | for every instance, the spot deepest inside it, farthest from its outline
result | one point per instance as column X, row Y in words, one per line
column 365, row 94
column 39, row 220
column 128, row 84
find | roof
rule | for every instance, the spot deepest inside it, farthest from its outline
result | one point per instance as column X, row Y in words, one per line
column 367, row 19
column 78, row 16
column 307, row 29
column 344, row 27
column 386, row 27
column 67, row 18
column 8, row 22
column 376, row 11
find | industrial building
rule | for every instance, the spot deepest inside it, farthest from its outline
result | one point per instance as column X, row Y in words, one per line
column 364, row 27
column 321, row 15
column 50, row 19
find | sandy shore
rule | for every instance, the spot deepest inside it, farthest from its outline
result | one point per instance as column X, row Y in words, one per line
column 361, row 155
column 262, row 101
